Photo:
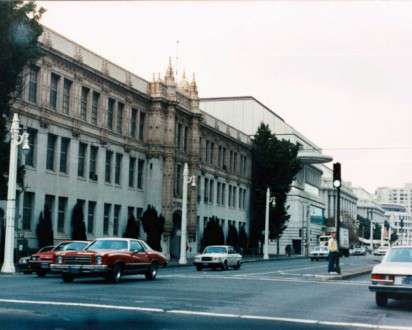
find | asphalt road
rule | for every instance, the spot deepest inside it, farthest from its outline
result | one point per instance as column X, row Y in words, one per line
column 262, row 295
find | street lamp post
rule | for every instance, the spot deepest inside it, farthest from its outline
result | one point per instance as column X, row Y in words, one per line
column 15, row 140
column 183, row 236
column 370, row 216
column 266, row 245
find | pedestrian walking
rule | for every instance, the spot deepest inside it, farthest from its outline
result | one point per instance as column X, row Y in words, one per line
column 333, row 266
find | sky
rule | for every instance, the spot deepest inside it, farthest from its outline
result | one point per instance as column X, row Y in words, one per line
column 339, row 72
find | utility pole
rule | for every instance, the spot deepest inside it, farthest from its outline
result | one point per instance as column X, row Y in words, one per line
column 183, row 235
column 15, row 140
column 266, row 243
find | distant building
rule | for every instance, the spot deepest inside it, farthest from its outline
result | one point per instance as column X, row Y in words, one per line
column 307, row 208
column 400, row 220
column 396, row 195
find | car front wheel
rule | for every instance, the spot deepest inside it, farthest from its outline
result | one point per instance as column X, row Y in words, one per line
column 152, row 272
column 381, row 299
column 115, row 274
column 67, row 278
column 199, row 268
column 41, row 273
column 225, row 265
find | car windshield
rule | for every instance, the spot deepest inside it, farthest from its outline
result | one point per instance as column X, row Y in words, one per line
column 215, row 249
column 62, row 246
column 106, row 244
column 75, row 246
column 46, row 248
column 399, row 255
column 146, row 246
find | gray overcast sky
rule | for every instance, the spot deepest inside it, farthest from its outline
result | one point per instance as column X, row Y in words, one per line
column 339, row 72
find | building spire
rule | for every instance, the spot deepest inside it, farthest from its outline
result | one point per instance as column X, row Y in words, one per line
column 169, row 77
column 193, row 86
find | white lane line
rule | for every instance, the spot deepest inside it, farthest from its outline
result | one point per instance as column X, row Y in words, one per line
column 281, row 271
column 75, row 304
column 210, row 314
column 177, row 311
column 270, row 279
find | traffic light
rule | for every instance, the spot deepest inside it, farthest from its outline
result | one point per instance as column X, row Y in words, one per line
column 337, row 180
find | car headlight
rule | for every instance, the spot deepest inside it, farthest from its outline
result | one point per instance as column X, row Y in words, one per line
column 59, row 259
column 198, row 258
column 217, row 258
column 34, row 258
column 98, row 260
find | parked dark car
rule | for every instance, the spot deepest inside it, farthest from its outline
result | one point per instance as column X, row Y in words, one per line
column 40, row 261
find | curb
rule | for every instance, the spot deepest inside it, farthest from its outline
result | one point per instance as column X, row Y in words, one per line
column 190, row 264
column 347, row 276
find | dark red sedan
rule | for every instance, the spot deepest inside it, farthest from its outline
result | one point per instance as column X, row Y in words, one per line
column 111, row 258
column 40, row 262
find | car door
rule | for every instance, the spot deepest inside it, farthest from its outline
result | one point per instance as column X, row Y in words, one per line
column 140, row 261
column 231, row 256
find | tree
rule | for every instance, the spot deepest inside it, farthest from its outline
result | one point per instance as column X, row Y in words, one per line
column 243, row 239
column 19, row 32
column 232, row 237
column 213, row 233
column 44, row 228
column 274, row 166
column 132, row 227
column 153, row 225
column 78, row 225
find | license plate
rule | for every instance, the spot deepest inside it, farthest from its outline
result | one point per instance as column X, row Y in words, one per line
column 74, row 270
column 44, row 265
column 403, row 280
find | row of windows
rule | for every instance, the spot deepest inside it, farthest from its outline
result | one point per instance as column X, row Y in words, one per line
column 234, row 194
column 87, row 154
column 111, row 213
column 223, row 157
column 60, row 99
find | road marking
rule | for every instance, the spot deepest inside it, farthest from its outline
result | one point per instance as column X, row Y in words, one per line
column 209, row 314
column 75, row 304
column 282, row 271
column 270, row 279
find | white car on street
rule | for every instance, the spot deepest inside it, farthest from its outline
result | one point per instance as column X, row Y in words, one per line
column 392, row 278
column 218, row 256
column 319, row 252
column 381, row 251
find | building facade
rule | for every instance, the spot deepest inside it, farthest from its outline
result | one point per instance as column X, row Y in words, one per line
column 306, row 206
column 115, row 143
column 400, row 221
column 396, row 195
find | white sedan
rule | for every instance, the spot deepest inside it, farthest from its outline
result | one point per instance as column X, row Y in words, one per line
column 392, row 278
column 218, row 256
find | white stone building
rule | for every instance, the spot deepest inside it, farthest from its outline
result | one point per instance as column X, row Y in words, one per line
column 115, row 142
column 305, row 201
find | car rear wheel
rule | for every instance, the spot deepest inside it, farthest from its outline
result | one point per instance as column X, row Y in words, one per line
column 115, row 274
column 41, row 273
column 152, row 272
column 237, row 266
column 67, row 278
column 225, row 265
column 381, row 299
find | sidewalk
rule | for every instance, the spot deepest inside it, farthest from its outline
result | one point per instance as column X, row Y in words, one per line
column 246, row 259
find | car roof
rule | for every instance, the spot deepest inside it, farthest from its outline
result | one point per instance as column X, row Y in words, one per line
column 225, row 246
